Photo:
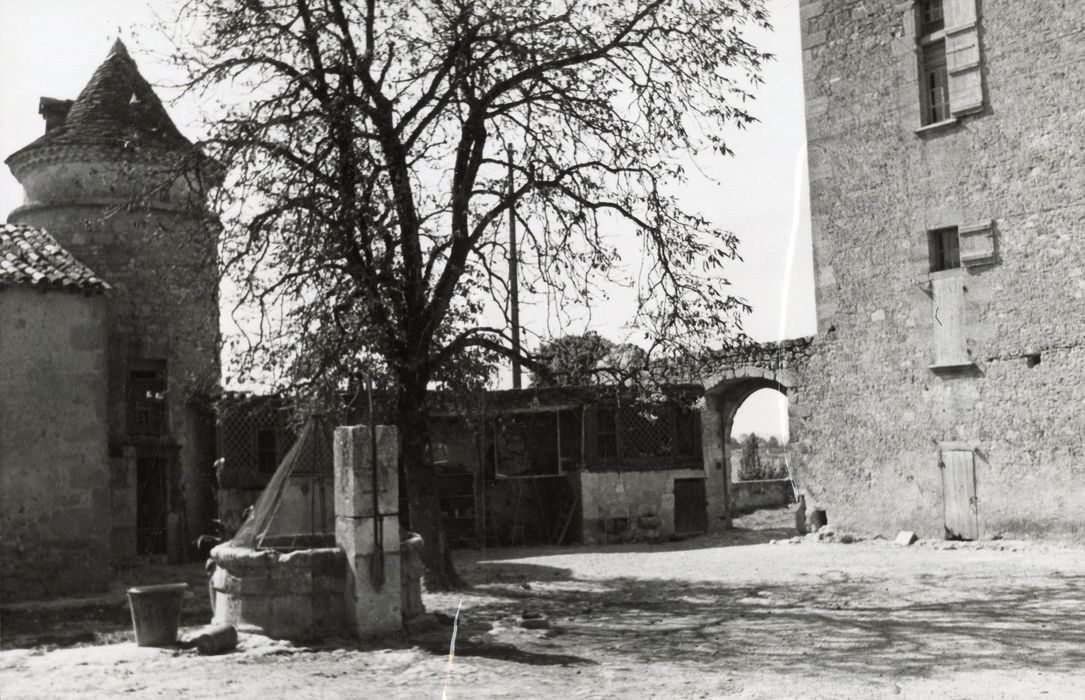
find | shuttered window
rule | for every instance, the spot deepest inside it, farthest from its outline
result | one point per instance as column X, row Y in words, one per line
column 950, row 77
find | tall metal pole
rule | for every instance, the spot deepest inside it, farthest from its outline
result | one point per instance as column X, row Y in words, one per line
column 514, row 281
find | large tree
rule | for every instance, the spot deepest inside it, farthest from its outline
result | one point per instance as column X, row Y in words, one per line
column 365, row 144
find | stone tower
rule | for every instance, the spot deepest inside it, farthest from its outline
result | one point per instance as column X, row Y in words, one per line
column 115, row 182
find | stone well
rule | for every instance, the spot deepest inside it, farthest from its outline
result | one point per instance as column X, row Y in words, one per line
column 288, row 595
column 331, row 587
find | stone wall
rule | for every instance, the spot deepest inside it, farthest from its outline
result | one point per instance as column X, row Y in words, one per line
column 629, row 506
column 748, row 496
column 55, row 525
column 123, row 504
column 878, row 411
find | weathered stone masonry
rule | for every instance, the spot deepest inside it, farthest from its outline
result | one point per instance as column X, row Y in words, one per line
column 1011, row 177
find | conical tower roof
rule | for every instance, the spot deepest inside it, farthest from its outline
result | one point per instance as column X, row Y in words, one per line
column 117, row 107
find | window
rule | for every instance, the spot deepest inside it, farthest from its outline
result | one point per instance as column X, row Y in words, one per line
column 606, row 433
column 267, row 450
column 947, row 47
column 931, row 17
column 935, row 81
column 933, row 76
column 146, row 398
column 945, row 251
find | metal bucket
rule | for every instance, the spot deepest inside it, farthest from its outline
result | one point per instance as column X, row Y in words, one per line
column 156, row 613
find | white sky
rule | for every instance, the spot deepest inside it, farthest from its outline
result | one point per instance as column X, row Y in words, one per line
column 51, row 47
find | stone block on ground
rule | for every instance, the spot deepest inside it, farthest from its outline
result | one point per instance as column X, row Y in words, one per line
column 906, row 537
column 534, row 621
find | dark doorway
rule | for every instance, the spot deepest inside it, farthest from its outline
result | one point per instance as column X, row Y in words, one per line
column 147, row 419
column 152, row 503
column 690, row 507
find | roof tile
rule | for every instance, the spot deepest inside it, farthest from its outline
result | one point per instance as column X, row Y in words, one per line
column 29, row 255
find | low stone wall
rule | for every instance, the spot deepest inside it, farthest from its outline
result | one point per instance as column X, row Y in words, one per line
column 747, row 496
column 630, row 506
column 287, row 595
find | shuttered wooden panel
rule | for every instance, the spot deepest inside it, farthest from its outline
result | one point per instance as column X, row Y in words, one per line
column 963, row 57
column 948, row 319
column 959, row 494
column 977, row 244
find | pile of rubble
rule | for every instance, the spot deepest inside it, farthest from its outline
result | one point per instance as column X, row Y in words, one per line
column 825, row 533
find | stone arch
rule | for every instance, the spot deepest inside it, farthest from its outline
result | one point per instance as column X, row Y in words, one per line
column 748, row 369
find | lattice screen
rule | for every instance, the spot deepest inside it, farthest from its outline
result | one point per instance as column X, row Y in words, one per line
column 239, row 427
column 645, row 431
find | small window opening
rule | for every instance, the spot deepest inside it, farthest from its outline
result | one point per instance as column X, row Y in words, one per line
column 1032, row 360
column 146, row 398
column 931, row 17
column 945, row 251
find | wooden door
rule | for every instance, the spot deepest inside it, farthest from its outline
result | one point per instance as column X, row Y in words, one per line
column 959, row 495
column 690, row 507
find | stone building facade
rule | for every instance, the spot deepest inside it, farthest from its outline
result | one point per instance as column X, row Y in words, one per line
column 55, row 500
column 115, row 182
column 946, row 388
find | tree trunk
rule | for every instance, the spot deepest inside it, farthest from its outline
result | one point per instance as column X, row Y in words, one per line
column 421, row 483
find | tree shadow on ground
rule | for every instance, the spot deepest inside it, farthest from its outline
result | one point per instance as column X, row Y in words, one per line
column 845, row 625
column 500, row 651
column 734, row 537
column 100, row 619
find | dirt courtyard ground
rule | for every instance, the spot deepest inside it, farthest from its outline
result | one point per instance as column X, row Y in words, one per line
column 732, row 616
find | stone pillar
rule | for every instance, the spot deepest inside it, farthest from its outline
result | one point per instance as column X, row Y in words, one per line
column 717, row 483
column 376, row 606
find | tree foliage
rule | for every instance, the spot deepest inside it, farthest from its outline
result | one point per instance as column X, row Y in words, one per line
column 364, row 143
column 751, row 459
column 571, row 360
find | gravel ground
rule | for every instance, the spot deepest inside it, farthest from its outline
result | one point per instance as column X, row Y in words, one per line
column 728, row 616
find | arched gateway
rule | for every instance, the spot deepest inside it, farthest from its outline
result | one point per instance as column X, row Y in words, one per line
column 747, row 369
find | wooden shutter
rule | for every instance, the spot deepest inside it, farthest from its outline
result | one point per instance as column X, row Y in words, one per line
column 963, row 57
column 977, row 242
column 947, row 310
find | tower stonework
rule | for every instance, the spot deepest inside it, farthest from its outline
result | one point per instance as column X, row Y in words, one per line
column 946, row 388
column 115, row 182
